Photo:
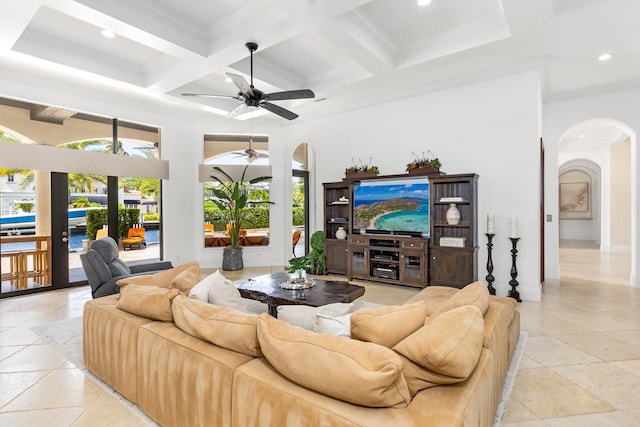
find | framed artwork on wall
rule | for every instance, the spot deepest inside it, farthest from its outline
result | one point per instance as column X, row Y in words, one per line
column 574, row 200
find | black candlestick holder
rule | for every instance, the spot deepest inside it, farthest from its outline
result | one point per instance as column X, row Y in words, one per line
column 513, row 293
column 490, row 278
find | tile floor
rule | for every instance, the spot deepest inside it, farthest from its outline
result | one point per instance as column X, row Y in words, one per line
column 581, row 364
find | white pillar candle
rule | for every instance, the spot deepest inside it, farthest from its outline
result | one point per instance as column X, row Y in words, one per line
column 514, row 229
column 491, row 227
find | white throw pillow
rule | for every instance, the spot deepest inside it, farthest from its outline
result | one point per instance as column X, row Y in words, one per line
column 224, row 293
column 340, row 326
column 201, row 290
column 304, row 316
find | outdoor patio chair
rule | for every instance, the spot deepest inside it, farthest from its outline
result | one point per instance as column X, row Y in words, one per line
column 135, row 237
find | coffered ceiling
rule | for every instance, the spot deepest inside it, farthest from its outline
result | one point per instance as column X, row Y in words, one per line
column 351, row 53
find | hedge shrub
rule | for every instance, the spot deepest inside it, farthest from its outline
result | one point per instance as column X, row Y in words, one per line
column 96, row 218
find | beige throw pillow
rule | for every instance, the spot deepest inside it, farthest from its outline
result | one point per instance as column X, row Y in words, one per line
column 357, row 372
column 152, row 302
column 388, row 325
column 186, row 280
column 475, row 293
column 162, row 279
column 449, row 344
column 222, row 326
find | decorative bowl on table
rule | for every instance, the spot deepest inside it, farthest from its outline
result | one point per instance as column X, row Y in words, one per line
column 294, row 284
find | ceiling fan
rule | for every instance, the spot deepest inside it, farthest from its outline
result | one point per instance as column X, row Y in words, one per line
column 250, row 153
column 253, row 98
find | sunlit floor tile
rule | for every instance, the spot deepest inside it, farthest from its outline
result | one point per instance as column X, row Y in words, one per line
column 606, row 381
column 107, row 410
column 602, row 346
column 605, row 419
column 12, row 384
column 59, row 417
column 548, row 394
column 550, row 351
column 33, row 358
column 62, row 388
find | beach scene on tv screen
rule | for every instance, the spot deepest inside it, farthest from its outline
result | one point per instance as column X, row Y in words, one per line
column 392, row 207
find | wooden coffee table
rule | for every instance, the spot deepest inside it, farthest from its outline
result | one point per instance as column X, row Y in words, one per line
column 267, row 289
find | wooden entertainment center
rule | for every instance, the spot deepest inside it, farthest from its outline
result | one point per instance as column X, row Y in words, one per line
column 447, row 257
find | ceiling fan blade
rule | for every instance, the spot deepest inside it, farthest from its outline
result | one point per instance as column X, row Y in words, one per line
column 276, row 109
column 208, row 95
column 289, row 94
column 241, row 108
column 241, row 83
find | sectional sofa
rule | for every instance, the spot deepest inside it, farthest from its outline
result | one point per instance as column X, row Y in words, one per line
column 440, row 359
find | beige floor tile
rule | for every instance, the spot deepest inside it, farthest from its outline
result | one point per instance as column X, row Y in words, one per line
column 62, row 388
column 548, row 394
column 631, row 366
column 18, row 336
column 630, row 336
column 550, row 351
column 602, row 346
column 534, row 423
column 9, row 350
column 634, row 414
column 107, row 410
column 12, row 384
column 60, row 417
column 33, row 358
column 529, row 363
column 606, row 381
column 517, row 412
column 605, row 419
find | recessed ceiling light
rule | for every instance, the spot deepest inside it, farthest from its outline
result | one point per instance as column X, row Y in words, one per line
column 228, row 80
column 108, row 34
column 605, row 57
column 581, row 135
column 424, row 2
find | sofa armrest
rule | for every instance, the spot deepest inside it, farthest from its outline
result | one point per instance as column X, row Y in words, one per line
column 151, row 267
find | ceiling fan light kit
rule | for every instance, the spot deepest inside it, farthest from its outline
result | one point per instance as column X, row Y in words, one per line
column 253, row 98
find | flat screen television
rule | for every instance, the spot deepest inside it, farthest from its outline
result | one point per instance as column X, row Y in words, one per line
column 394, row 206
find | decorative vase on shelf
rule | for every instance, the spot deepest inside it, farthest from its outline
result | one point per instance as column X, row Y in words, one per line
column 341, row 233
column 453, row 215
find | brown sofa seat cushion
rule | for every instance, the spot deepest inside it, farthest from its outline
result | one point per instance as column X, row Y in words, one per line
column 162, row 279
column 357, row 372
column 151, row 302
column 222, row 326
column 183, row 380
column 110, row 342
column 388, row 325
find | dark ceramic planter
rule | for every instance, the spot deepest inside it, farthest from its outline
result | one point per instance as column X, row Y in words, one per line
column 232, row 259
column 427, row 170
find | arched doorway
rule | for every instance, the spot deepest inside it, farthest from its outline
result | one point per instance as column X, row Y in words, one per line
column 596, row 190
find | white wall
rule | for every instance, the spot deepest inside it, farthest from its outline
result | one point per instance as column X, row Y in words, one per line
column 620, row 107
column 489, row 128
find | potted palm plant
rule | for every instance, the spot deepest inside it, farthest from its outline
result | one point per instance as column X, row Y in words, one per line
column 232, row 197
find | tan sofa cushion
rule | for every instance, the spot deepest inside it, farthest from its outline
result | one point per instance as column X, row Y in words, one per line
column 186, row 280
column 388, row 325
column 475, row 293
column 152, row 302
column 162, row 279
column 449, row 344
column 222, row 326
column 357, row 372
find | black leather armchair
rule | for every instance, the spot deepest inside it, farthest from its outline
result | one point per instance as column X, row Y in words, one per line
column 103, row 267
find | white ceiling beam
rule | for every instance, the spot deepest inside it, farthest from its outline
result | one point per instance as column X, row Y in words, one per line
column 14, row 20
column 347, row 35
column 135, row 25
